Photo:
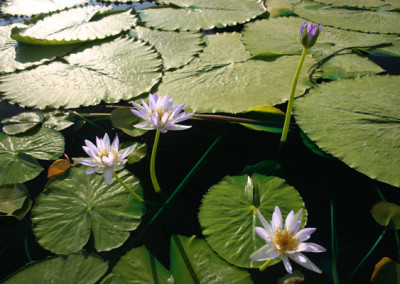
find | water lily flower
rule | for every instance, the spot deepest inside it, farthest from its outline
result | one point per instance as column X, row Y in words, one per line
column 309, row 34
column 104, row 156
column 286, row 242
column 159, row 114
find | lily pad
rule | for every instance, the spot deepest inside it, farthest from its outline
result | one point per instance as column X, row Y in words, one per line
column 123, row 119
column 57, row 120
column 387, row 214
column 386, row 271
column 193, row 261
column 356, row 121
column 200, row 14
column 228, row 214
column 18, row 56
column 76, row 205
column 33, row 7
column 18, row 153
column 14, row 200
column 112, row 71
column 21, row 122
column 222, row 79
column 74, row 268
column 176, row 48
column 350, row 19
column 75, row 26
column 140, row 266
column 280, row 8
column 354, row 3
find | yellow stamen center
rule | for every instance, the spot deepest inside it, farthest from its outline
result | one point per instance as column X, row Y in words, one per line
column 285, row 241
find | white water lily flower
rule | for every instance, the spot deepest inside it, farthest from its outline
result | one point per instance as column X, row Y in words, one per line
column 159, row 114
column 104, row 157
column 286, row 242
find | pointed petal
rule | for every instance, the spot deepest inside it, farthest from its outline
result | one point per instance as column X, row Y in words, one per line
column 115, row 144
column 276, row 222
column 86, row 162
column 289, row 222
column 286, row 263
column 108, row 174
column 92, row 171
column 178, row 127
column 262, row 253
column 263, row 234
column 304, row 234
column 145, row 125
column 265, row 224
column 310, row 247
column 125, row 152
column 304, row 261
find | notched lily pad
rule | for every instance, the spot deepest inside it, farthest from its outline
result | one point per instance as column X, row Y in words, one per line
column 14, row 200
column 21, row 122
column 387, row 214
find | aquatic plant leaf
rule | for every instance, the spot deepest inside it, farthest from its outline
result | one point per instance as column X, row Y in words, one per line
column 113, row 279
column 18, row 56
column 356, row 121
column 21, row 122
column 176, row 48
column 123, row 119
column 354, row 3
column 223, row 80
column 200, row 14
column 350, row 19
column 228, row 219
column 75, row 26
column 140, row 263
column 76, row 205
column 280, row 8
column 57, row 120
column 74, row 268
column 12, row 197
column 113, row 71
column 272, row 118
column 192, row 258
column 387, row 214
column 59, row 167
column 386, row 271
column 33, row 7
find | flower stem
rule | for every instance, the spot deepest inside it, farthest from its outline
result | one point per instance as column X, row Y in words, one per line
column 291, row 98
column 153, row 163
column 266, row 264
column 134, row 194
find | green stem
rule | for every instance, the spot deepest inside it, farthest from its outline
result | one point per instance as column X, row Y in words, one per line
column 153, row 163
column 266, row 264
column 291, row 98
column 88, row 121
column 134, row 194
column 28, row 255
column 367, row 255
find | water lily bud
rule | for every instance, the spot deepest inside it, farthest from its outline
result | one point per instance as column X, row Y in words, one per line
column 309, row 34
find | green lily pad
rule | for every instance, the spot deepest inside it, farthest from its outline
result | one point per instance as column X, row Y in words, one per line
column 354, row 3
column 356, row 121
column 74, row 268
column 14, row 200
column 57, row 120
column 113, row 71
column 140, row 266
column 222, row 79
column 18, row 153
column 280, row 8
column 228, row 214
column 176, row 48
column 193, row 261
column 350, row 19
column 34, row 7
column 200, row 14
column 387, row 214
column 76, row 205
column 75, row 26
column 21, row 122
column 18, row 56
column 113, row 279
column 123, row 119
column 386, row 271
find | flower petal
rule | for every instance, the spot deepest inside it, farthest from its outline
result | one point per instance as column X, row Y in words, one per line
column 262, row 253
column 289, row 222
column 286, row 263
column 304, row 261
column 108, row 174
column 276, row 222
column 263, row 234
column 92, row 171
column 310, row 247
column 265, row 224
column 304, row 234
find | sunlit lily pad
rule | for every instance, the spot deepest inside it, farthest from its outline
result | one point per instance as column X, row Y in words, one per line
column 222, row 79
column 354, row 3
column 74, row 268
column 18, row 56
column 33, row 7
column 358, row 122
column 200, row 14
column 21, row 122
column 280, row 8
column 228, row 214
column 140, row 266
column 18, row 154
column 14, row 200
column 120, row 69
column 76, row 205
column 75, row 26
column 350, row 19
column 192, row 259
column 57, row 120
column 176, row 48
column 387, row 214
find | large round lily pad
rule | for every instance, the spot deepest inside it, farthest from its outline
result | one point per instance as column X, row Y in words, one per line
column 228, row 214
column 33, row 7
column 358, row 122
column 76, row 205
column 74, row 268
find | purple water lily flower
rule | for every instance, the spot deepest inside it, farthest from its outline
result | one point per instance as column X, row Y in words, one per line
column 309, row 34
column 160, row 114
column 286, row 242
column 104, row 156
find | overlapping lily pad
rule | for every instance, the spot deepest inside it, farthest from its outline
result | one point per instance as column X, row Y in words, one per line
column 18, row 154
column 228, row 214
column 113, row 71
column 193, row 261
column 354, row 3
column 358, row 122
column 14, row 200
column 75, row 268
column 75, row 26
column 33, row 7
column 350, row 19
column 200, row 14
column 76, row 205
column 21, row 122
column 222, row 79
